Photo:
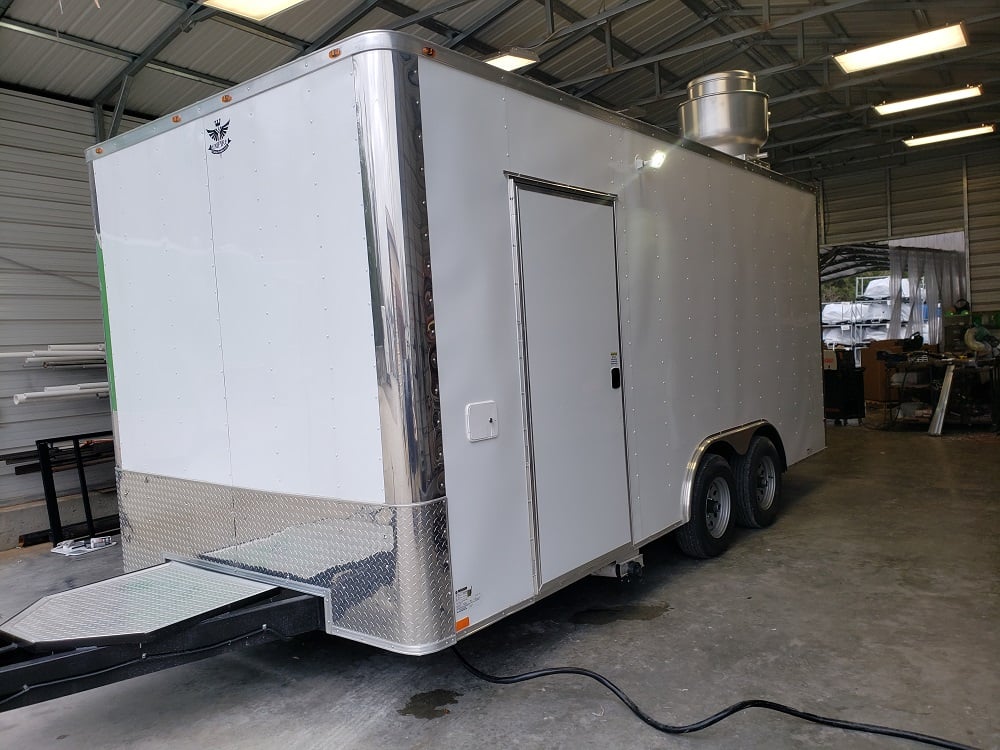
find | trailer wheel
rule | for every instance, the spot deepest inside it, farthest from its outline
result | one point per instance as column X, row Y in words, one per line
column 758, row 484
column 709, row 531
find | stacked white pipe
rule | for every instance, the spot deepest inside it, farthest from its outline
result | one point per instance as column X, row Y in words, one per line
column 55, row 355
column 100, row 390
column 63, row 355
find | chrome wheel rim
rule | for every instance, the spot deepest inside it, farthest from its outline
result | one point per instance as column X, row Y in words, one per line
column 765, row 482
column 717, row 506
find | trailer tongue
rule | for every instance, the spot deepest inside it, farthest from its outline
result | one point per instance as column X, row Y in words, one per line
column 138, row 623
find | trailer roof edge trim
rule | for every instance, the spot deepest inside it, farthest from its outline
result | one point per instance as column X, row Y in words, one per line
column 370, row 41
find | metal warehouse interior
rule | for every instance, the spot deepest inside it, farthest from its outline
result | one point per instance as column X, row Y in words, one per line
column 873, row 597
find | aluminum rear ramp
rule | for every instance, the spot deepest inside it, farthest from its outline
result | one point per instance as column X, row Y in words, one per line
column 131, row 608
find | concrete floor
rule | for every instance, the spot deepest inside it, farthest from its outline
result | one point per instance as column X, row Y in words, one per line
column 873, row 598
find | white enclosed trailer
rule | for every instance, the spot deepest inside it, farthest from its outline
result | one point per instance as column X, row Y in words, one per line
column 430, row 341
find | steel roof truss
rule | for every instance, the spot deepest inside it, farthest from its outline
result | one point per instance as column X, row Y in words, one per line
column 482, row 22
column 89, row 45
column 697, row 47
column 155, row 47
column 245, row 24
column 334, row 30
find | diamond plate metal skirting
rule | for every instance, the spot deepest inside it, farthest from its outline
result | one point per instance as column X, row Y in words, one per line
column 386, row 568
column 163, row 517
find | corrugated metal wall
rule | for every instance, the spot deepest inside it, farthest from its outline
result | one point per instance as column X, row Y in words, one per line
column 984, row 229
column 928, row 197
column 48, row 279
column 854, row 207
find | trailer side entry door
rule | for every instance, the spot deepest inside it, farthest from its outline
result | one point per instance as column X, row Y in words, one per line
column 565, row 243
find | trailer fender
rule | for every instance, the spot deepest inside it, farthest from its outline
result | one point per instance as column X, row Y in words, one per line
column 729, row 444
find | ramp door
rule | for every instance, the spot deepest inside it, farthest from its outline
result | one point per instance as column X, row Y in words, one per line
column 131, row 608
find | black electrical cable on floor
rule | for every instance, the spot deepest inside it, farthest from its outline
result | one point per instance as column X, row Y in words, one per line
column 716, row 717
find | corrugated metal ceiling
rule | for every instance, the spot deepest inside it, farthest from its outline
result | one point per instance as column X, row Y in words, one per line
column 75, row 49
column 49, row 66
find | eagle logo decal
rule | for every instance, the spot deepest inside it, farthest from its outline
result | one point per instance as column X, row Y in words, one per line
column 220, row 139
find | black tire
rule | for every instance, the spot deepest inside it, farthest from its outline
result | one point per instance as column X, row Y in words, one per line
column 758, row 484
column 710, row 529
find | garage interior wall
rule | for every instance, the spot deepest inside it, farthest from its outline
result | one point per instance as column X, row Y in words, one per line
column 48, row 295
column 924, row 198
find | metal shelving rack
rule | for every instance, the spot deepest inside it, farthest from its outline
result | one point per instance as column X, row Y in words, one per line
column 860, row 328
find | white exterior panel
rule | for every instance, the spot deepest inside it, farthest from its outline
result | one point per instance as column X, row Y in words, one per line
column 159, row 271
column 716, row 264
column 294, row 295
column 239, row 299
column 478, row 351
column 717, row 271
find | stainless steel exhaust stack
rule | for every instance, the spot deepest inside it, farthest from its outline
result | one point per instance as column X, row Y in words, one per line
column 727, row 112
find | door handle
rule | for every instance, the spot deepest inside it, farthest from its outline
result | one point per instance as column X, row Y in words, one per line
column 616, row 378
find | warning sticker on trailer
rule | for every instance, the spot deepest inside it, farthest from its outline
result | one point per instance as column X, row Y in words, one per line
column 465, row 598
column 614, row 359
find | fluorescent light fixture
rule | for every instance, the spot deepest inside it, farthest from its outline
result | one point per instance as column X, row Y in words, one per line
column 929, row 101
column 918, row 45
column 949, row 136
column 513, row 58
column 655, row 161
column 258, row 10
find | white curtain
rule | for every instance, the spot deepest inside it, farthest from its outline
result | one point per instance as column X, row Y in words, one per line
column 943, row 272
column 896, row 264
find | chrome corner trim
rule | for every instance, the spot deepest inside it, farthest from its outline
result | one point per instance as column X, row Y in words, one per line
column 383, row 570
column 739, row 437
column 404, row 43
column 399, row 257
